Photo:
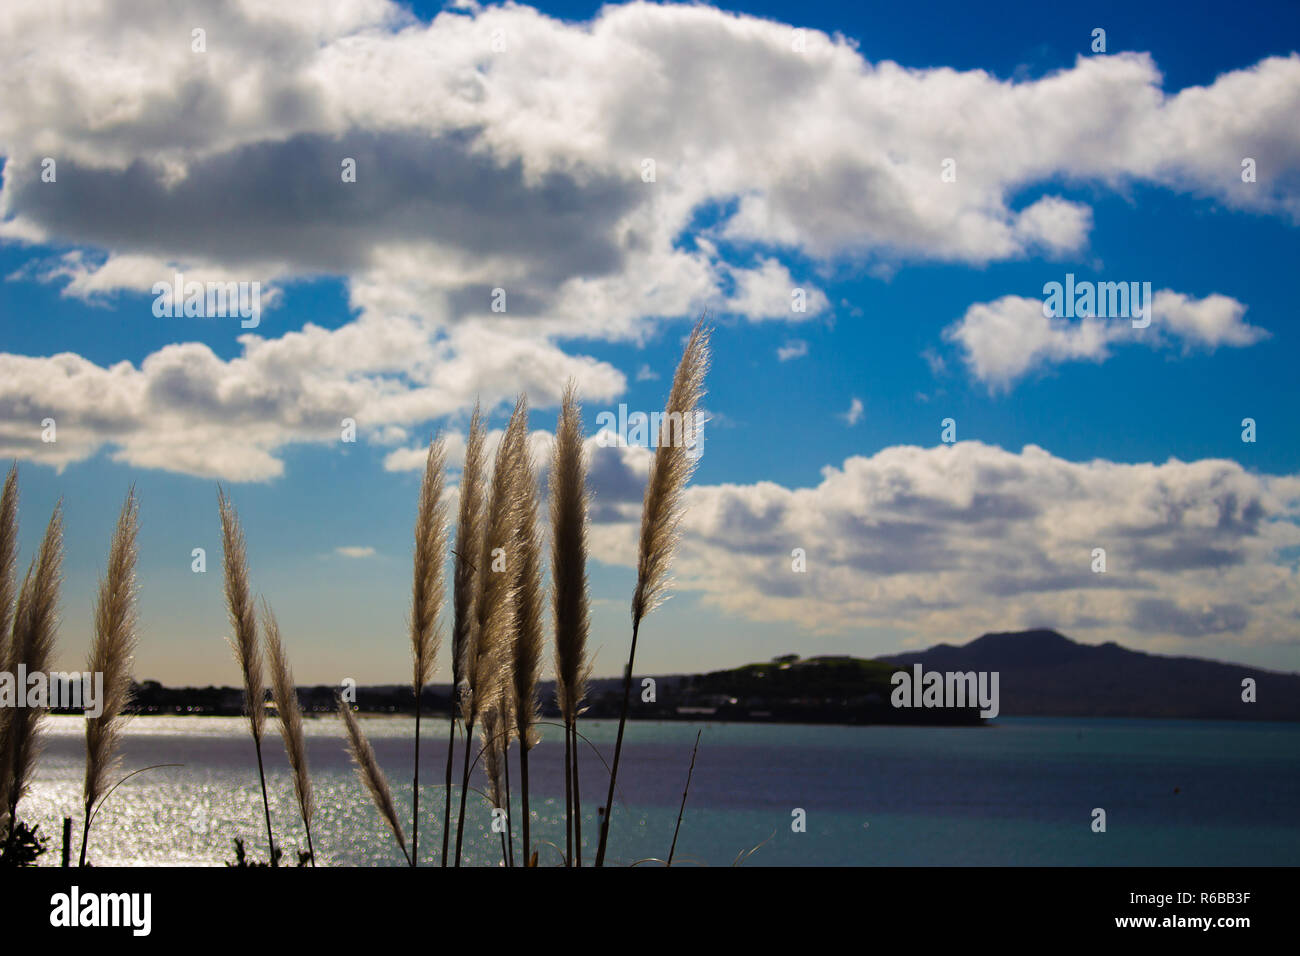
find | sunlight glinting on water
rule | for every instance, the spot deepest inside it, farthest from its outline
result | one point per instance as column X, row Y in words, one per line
column 1009, row 793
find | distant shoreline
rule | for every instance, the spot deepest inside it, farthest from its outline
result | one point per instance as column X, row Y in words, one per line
column 695, row 720
column 1042, row 674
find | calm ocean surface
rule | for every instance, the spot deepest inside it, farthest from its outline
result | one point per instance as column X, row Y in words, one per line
column 1017, row 793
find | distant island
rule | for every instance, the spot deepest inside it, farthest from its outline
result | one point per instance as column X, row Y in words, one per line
column 1042, row 674
column 1045, row 674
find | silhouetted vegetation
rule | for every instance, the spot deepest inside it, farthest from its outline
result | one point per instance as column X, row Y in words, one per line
column 242, row 860
column 24, row 846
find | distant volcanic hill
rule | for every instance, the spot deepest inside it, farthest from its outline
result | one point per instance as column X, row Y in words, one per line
column 1044, row 673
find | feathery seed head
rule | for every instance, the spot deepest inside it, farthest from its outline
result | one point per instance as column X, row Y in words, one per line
column 243, row 619
column 568, row 494
column 111, row 652
column 285, row 694
column 670, row 469
column 427, row 586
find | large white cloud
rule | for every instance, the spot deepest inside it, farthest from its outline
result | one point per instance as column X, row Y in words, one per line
column 1004, row 340
column 958, row 539
column 187, row 410
column 824, row 150
column 969, row 537
column 498, row 148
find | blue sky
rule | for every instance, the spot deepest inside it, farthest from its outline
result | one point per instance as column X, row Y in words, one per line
column 923, row 307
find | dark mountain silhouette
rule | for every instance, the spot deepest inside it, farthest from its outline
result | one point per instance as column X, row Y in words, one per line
column 1040, row 674
column 1043, row 673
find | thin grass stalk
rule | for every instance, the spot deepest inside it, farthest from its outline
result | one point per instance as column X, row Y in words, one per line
column 509, row 806
column 446, row 810
column 510, row 826
column 371, row 774
column 469, row 529
column 285, row 694
column 266, row 805
column 661, row 514
column 426, row 602
column 243, row 621
column 503, row 786
column 415, row 790
column 32, row 644
column 464, row 787
column 577, row 800
column 685, row 790
column 618, row 747
column 568, row 796
column 111, row 652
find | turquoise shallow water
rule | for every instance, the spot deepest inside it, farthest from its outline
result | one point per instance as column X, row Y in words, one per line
column 1020, row 792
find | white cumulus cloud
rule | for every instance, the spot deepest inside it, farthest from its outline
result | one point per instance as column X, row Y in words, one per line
column 1004, row 340
column 520, row 169
column 964, row 538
